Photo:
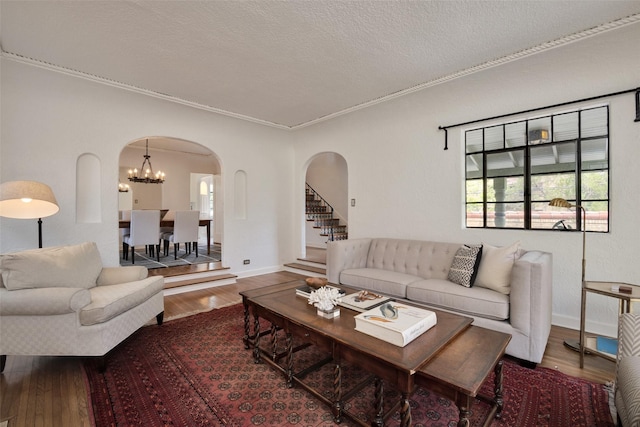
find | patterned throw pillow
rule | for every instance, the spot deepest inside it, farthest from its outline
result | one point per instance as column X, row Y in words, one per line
column 464, row 267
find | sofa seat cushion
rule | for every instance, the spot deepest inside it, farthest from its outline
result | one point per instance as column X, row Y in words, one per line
column 76, row 266
column 473, row 301
column 379, row 281
column 109, row 301
column 628, row 390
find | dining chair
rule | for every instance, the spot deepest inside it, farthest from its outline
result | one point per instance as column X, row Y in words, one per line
column 166, row 215
column 125, row 215
column 185, row 230
column 145, row 230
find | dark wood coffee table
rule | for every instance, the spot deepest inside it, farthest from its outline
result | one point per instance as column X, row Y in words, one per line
column 460, row 369
column 397, row 366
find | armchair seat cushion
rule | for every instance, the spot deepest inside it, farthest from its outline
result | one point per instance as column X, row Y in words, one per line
column 110, row 301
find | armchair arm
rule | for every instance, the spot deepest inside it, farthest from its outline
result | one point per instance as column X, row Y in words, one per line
column 628, row 336
column 346, row 254
column 117, row 275
column 42, row 301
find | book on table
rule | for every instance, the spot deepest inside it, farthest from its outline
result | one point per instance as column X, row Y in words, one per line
column 362, row 301
column 396, row 323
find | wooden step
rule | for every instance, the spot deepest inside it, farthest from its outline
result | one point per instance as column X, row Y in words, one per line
column 197, row 280
column 306, row 269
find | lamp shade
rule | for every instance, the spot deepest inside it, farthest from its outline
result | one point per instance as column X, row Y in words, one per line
column 561, row 203
column 27, row 200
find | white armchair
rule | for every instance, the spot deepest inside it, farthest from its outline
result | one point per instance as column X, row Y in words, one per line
column 61, row 301
column 627, row 395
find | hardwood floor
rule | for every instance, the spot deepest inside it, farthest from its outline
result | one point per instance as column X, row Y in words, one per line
column 50, row 391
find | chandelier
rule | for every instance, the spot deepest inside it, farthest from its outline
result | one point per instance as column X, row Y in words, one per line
column 149, row 177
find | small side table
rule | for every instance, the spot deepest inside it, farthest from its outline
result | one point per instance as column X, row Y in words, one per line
column 606, row 289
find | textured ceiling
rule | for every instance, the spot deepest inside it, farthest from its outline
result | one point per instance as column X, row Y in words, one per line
column 287, row 63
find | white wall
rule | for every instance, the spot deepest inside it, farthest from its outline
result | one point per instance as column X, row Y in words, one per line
column 420, row 192
column 49, row 119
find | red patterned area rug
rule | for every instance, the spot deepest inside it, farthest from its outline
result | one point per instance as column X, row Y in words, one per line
column 195, row 371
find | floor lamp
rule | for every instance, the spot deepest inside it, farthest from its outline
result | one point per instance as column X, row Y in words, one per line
column 27, row 200
column 562, row 203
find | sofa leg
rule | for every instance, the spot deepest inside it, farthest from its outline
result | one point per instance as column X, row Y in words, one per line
column 160, row 318
column 3, row 362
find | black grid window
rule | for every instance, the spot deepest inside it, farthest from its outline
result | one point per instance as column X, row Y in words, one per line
column 514, row 169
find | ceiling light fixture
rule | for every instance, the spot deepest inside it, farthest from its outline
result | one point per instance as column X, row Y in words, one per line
column 148, row 176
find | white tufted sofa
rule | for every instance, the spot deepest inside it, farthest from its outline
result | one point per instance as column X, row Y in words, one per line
column 418, row 271
column 627, row 396
column 61, row 301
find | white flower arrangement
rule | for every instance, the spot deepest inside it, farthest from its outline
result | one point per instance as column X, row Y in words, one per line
column 325, row 298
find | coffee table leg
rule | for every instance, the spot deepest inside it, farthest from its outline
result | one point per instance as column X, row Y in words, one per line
column 498, row 389
column 256, row 338
column 405, row 411
column 246, row 337
column 274, row 342
column 289, row 360
column 337, row 394
column 378, row 421
column 464, row 404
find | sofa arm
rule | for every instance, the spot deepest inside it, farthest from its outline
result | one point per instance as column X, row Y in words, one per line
column 346, row 254
column 43, row 301
column 117, row 275
column 530, row 299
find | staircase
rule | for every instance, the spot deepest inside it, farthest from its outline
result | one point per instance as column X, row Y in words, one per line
column 323, row 216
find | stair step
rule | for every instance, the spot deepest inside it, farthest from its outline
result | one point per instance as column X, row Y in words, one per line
column 305, row 269
column 197, row 280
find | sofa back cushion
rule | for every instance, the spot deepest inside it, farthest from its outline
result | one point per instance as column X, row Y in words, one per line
column 76, row 266
column 429, row 260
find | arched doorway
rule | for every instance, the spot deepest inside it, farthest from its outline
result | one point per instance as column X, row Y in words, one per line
column 192, row 182
column 326, row 184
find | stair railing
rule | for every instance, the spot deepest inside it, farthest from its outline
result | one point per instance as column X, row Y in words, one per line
column 323, row 202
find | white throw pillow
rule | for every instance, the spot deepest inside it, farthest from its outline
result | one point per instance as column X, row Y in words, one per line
column 495, row 267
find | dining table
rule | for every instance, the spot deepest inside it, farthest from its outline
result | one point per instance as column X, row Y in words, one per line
column 170, row 223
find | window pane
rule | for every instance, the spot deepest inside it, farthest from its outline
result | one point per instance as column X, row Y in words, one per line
column 597, row 216
column 510, row 189
column 548, row 217
column 595, row 154
column 549, row 186
column 595, row 185
column 594, row 122
column 505, row 215
column 474, row 216
column 565, row 126
column 473, row 141
column 474, row 166
column 474, row 191
column 493, row 138
column 539, row 130
column 516, row 134
column 505, row 164
column 553, row 158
